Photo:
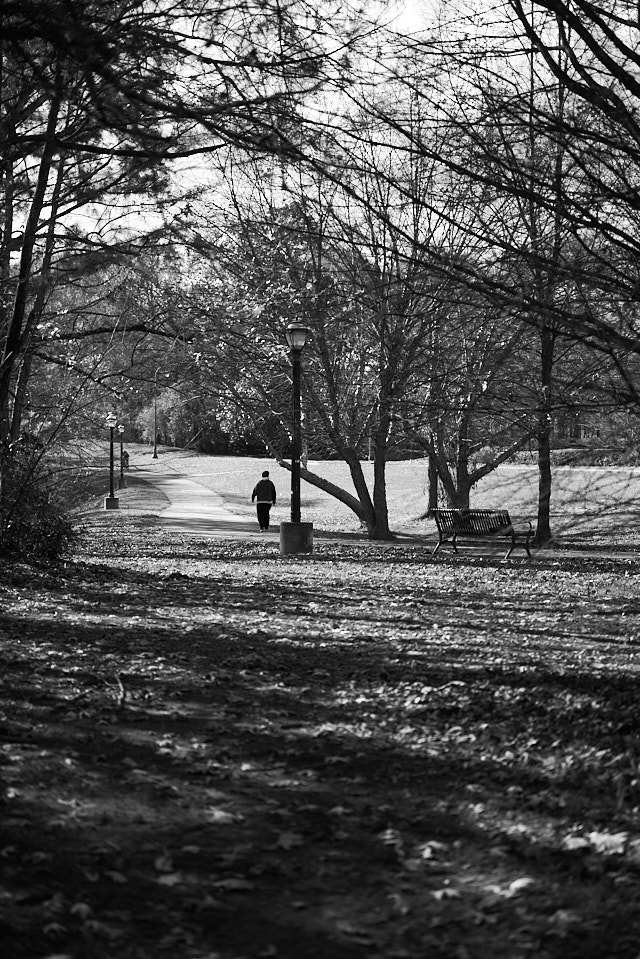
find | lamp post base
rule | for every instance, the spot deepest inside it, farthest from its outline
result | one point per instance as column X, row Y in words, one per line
column 296, row 538
column 111, row 502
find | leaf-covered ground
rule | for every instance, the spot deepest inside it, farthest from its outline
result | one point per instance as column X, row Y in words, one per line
column 213, row 752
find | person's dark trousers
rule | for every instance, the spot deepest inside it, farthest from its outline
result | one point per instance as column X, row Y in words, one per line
column 263, row 514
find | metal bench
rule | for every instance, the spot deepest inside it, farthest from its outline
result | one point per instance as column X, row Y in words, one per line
column 487, row 524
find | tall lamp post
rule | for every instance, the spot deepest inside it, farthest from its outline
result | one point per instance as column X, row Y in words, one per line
column 111, row 501
column 296, row 537
column 121, row 481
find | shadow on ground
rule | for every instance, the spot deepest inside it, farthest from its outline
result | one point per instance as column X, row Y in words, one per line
column 218, row 752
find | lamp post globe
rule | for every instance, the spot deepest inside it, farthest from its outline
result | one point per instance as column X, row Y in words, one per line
column 296, row 335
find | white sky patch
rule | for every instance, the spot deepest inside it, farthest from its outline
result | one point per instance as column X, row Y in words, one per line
column 410, row 16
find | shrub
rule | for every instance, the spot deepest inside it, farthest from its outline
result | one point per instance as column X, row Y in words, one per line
column 33, row 521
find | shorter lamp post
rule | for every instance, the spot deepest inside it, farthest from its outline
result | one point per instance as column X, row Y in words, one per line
column 155, row 415
column 121, row 481
column 296, row 537
column 111, row 501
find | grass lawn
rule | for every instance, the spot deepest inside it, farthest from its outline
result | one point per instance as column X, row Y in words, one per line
column 590, row 505
column 210, row 751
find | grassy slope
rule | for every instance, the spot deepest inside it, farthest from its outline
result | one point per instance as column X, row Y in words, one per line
column 583, row 502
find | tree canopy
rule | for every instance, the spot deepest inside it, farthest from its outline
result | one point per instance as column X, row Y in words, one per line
column 451, row 209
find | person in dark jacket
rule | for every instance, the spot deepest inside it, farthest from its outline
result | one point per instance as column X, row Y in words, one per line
column 264, row 493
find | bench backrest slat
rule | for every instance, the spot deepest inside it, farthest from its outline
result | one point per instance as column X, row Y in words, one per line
column 471, row 520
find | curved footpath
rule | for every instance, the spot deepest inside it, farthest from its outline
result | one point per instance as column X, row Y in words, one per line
column 195, row 509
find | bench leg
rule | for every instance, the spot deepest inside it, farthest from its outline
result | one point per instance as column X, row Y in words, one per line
column 442, row 541
column 514, row 545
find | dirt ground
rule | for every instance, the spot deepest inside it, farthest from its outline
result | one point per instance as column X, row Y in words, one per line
column 210, row 751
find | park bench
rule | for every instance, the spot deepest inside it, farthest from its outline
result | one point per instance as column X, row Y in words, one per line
column 480, row 524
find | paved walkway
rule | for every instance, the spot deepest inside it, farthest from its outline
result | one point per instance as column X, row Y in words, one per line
column 195, row 509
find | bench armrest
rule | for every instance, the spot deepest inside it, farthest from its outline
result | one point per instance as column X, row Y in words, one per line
column 523, row 530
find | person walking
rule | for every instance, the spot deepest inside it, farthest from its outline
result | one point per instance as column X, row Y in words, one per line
column 264, row 493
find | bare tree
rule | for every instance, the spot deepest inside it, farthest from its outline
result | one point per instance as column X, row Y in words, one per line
column 99, row 102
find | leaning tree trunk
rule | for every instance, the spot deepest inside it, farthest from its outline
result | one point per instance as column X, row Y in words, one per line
column 373, row 512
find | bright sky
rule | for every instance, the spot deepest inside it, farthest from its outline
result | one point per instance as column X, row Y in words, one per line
column 412, row 14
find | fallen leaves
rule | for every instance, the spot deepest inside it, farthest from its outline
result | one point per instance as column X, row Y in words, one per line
column 605, row 843
column 233, row 884
column 289, row 840
column 221, row 817
column 387, row 755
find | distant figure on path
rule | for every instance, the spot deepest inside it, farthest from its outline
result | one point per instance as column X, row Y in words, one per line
column 264, row 492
